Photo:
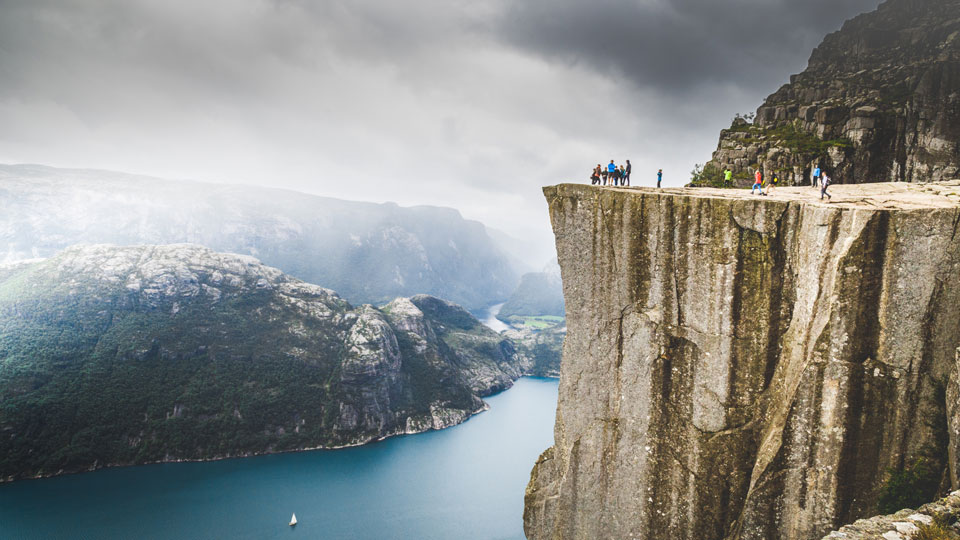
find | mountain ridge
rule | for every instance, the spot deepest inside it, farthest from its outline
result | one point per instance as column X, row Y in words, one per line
column 138, row 354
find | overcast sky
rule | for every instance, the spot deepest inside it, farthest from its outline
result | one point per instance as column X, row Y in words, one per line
column 473, row 104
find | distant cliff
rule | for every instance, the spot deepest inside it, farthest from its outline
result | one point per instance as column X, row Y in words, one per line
column 743, row 367
column 122, row 355
column 878, row 102
column 368, row 253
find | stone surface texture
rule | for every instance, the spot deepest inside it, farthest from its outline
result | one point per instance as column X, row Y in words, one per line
column 878, row 102
column 903, row 524
column 744, row 367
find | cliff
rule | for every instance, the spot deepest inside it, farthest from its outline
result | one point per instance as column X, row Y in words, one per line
column 878, row 102
column 747, row 367
column 123, row 355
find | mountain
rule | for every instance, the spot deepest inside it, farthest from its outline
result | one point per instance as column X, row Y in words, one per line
column 369, row 253
column 539, row 293
column 123, row 355
column 878, row 102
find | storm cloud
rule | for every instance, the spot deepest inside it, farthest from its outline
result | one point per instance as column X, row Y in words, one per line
column 469, row 104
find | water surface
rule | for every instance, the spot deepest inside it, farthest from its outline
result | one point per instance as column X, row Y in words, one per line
column 490, row 320
column 465, row 482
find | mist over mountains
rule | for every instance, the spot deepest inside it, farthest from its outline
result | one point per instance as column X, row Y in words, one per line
column 368, row 253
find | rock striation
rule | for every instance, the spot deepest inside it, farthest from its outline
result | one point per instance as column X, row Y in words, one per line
column 123, row 355
column 878, row 102
column 745, row 367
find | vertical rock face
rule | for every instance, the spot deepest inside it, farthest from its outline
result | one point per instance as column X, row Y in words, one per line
column 742, row 367
column 878, row 102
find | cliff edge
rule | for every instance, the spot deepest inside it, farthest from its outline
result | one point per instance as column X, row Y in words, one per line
column 745, row 367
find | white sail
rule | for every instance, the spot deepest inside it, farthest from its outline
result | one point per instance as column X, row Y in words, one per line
column 293, row 520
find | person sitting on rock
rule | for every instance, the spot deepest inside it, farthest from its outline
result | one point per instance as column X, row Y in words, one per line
column 757, row 182
column 595, row 175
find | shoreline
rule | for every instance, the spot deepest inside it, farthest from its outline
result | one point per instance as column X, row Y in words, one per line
column 486, row 406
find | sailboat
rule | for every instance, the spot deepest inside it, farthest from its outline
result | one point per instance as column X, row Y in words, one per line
column 293, row 520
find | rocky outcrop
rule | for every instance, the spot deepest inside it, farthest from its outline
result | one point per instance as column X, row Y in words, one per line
column 878, row 102
column 906, row 523
column 121, row 355
column 743, row 367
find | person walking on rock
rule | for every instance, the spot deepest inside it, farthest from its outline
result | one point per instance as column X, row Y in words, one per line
column 659, row 177
column 757, row 182
column 626, row 174
column 824, row 184
column 773, row 183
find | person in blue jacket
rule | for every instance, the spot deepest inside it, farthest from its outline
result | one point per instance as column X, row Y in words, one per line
column 816, row 176
column 611, row 169
column 659, row 177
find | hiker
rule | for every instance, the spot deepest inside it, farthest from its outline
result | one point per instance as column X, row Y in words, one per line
column 757, row 182
column 616, row 176
column 626, row 174
column 816, row 176
column 624, row 181
column 727, row 177
column 603, row 174
column 773, row 183
column 824, row 183
column 595, row 175
column 610, row 170
column 659, row 177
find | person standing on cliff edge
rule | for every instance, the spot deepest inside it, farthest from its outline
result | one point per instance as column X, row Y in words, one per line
column 626, row 174
column 659, row 177
column 816, row 176
column 757, row 182
column 611, row 169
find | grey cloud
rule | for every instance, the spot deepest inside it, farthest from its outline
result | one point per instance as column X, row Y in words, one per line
column 680, row 45
column 464, row 103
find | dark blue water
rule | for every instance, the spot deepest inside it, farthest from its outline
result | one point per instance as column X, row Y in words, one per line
column 465, row 482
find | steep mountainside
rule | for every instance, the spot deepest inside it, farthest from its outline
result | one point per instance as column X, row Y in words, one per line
column 366, row 252
column 878, row 102
column 539, row 293
column 121, row 355
column 743, row 367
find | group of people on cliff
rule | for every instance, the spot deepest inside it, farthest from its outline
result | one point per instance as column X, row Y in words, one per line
column 616, row 175
column 612, row 173
column 760, row 181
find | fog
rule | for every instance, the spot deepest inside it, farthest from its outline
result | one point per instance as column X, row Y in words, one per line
column 469, row 104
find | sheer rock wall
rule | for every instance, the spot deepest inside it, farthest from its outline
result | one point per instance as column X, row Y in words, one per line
column 740, row 367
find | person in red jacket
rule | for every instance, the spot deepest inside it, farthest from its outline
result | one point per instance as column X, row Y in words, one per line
column 757, row 182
